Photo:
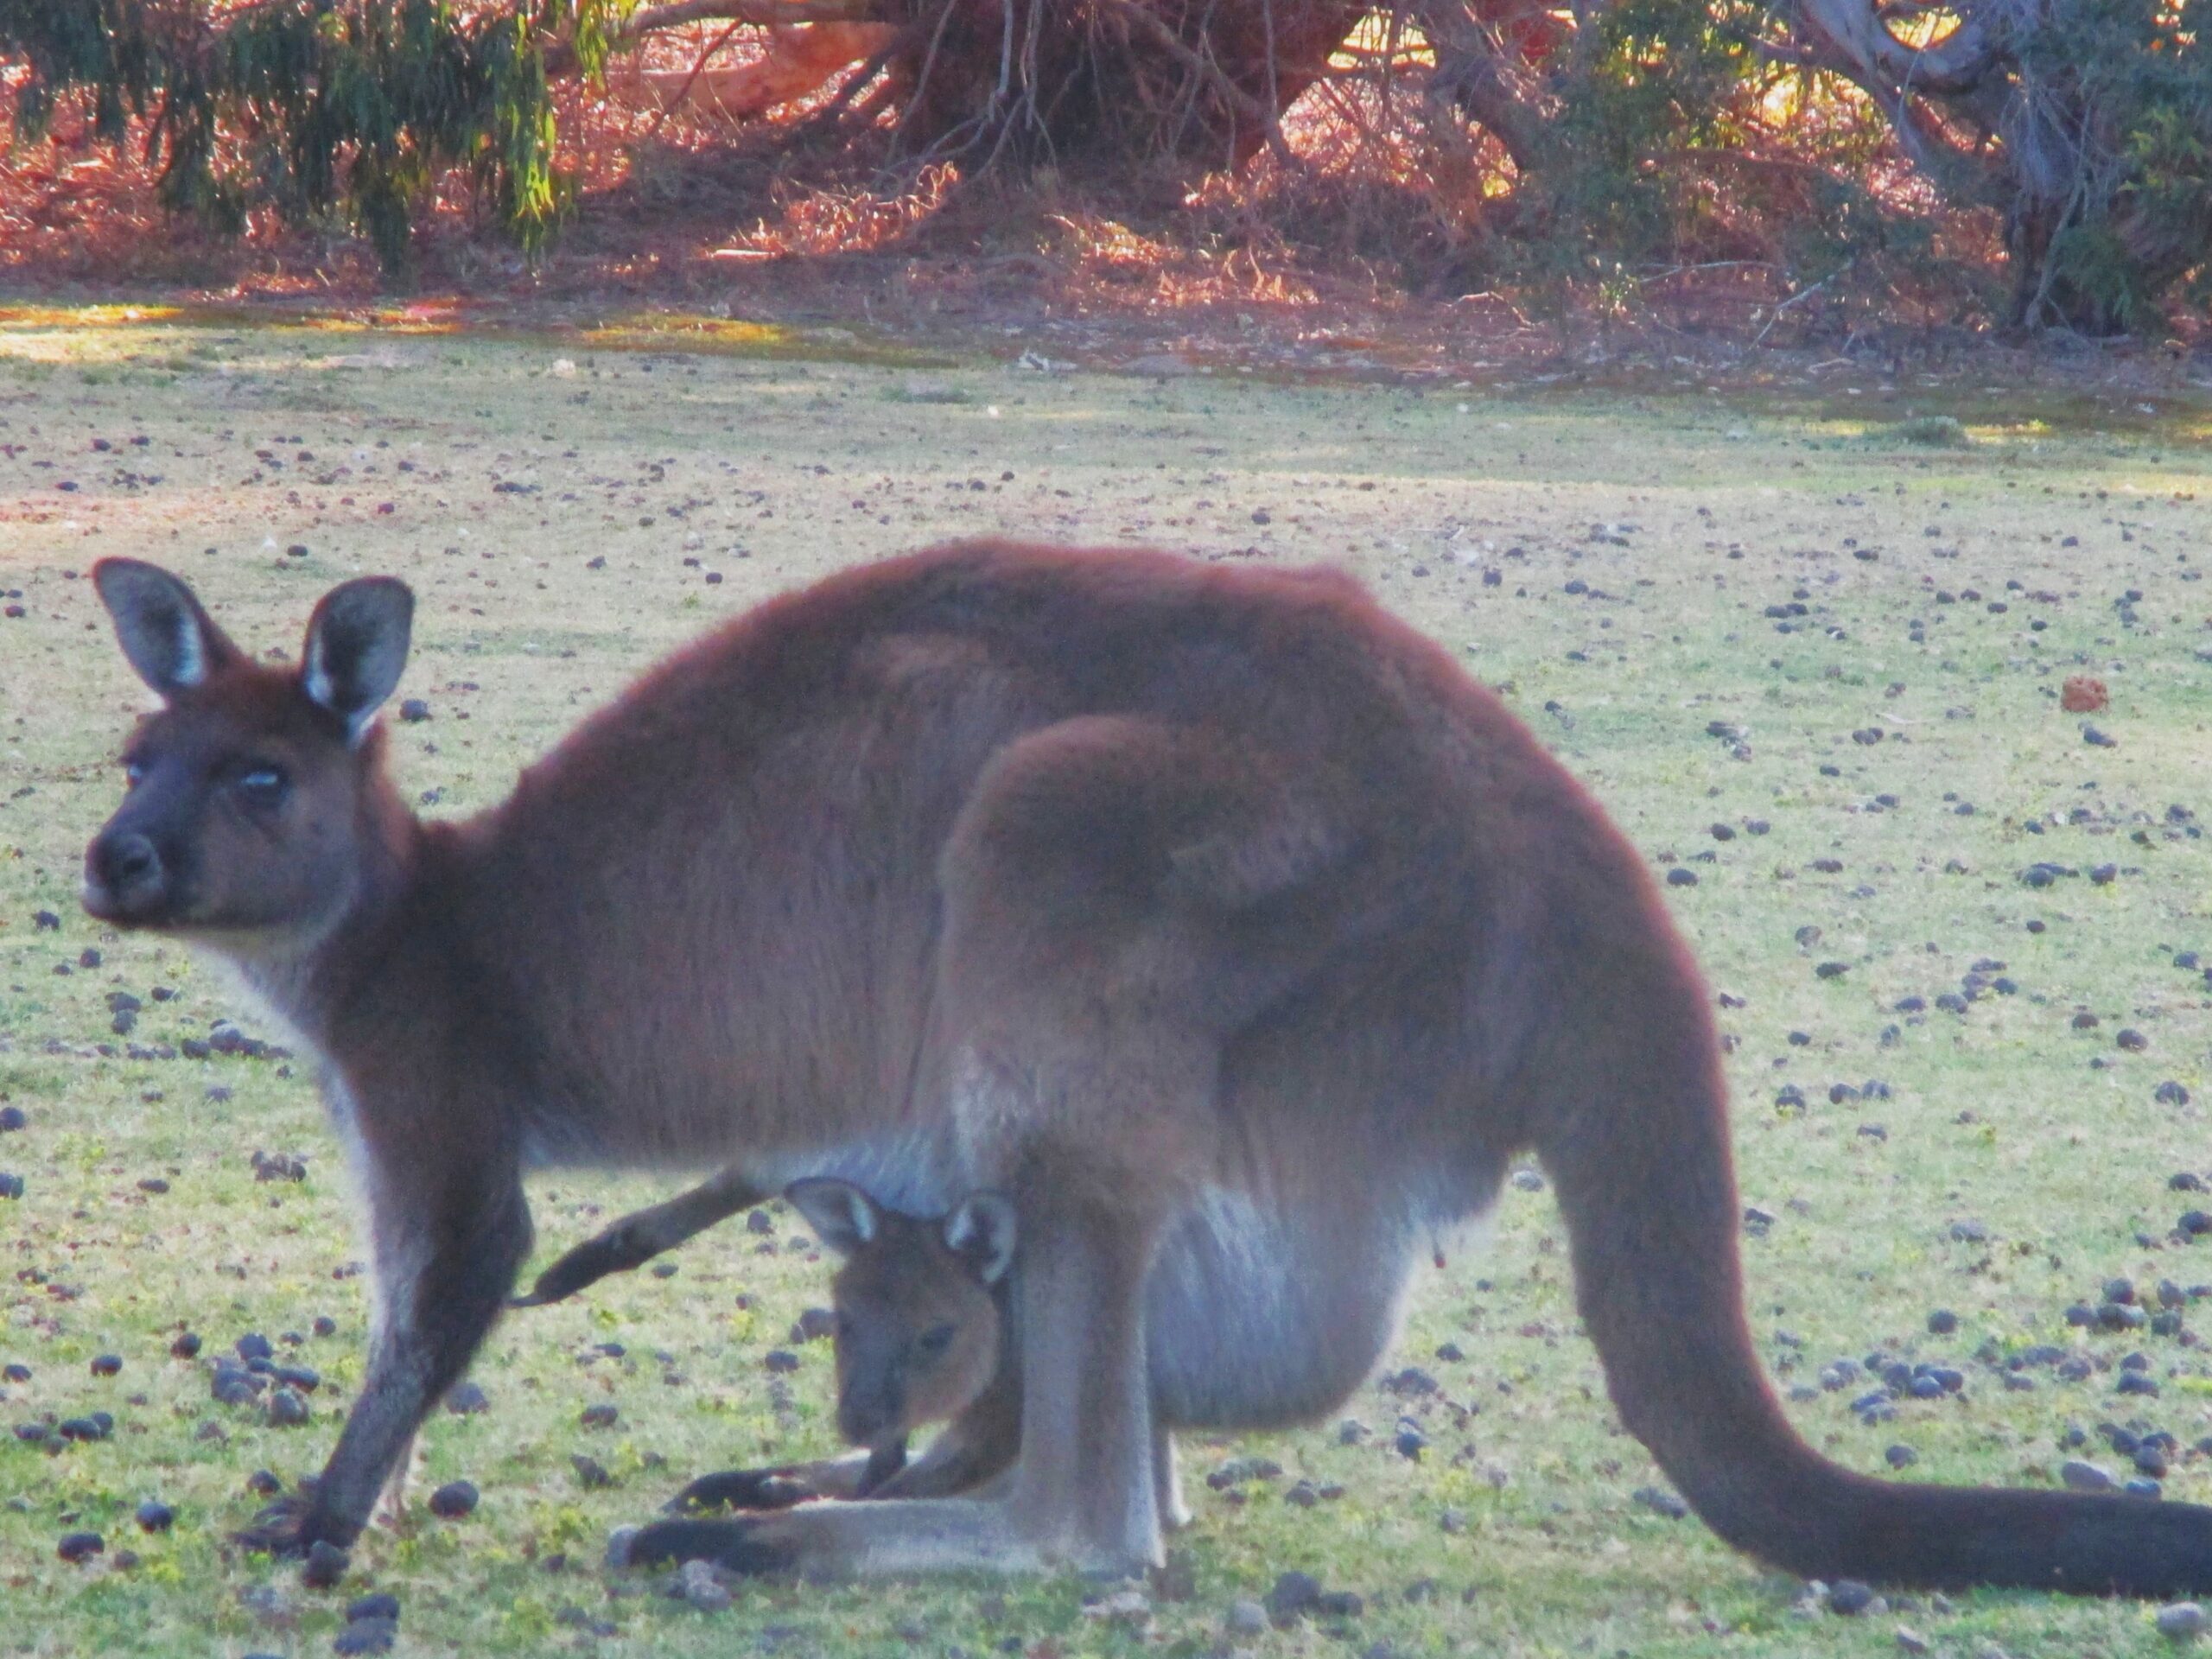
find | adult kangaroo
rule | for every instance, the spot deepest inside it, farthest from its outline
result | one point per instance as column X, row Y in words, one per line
column 1212, row 914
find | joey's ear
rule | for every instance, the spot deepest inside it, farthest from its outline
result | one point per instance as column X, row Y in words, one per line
column 981, row 1232
column 842, row 1217
column 357, row 648
column 165, row 635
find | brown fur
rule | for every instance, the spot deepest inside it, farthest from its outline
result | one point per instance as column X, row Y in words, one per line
column 1214, row 915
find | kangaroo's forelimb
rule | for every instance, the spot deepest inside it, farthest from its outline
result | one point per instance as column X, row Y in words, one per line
column 636, row 1238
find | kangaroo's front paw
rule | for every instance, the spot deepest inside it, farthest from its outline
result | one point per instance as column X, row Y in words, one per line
column 614, row 1251
column 738, row 1545
column 740, row 1489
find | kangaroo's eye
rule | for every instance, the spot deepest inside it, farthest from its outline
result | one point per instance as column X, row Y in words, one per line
column 932, row 1343
column 133, row 774
column 263, row 786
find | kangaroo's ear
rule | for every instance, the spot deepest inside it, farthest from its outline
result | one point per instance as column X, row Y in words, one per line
column 357, row 648
column 981, row 1231
column 165, row 635
column 842, row 1217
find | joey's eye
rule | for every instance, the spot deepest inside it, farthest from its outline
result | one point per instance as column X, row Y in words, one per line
column 932, row 1343
column 133, row 774
column 263, row 786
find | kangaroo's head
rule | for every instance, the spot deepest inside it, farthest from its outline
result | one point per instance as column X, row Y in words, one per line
column 918, row 1321
column 257, row 793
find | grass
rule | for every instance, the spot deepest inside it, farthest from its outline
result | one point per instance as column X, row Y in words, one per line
column 1638, row 543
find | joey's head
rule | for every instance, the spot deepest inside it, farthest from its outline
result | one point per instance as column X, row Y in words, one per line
column 917, row 1304
column 256, row 792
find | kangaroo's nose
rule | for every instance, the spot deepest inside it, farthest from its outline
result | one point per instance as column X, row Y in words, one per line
column 127, row 868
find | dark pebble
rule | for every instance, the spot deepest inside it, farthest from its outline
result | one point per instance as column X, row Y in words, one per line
column 253, row 1345
column 413, row 709
column 106, row 1364
column 1901, row 1457
column 2170, row 1093
column 1942, row 1322
column 11, row 1186
column 80, row 1546
column 263, row 1483
column 1660, row 1501
column 288, row 1408
column 780, row 1362
column 81, row 1428
column 1294, row 1594
column 325, row 1566
column 1850, row 1598
column 12, row 1119
column 463, row 1399
column 454, row 1499
column 154, row 1516
column 602, row 1416
column 1679, row 877
column 592, row 1472
column 382, row 1604
column 1410, row 1443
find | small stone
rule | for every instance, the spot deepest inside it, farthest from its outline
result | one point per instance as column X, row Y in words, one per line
column 463, row 1399
column 12, row 1120
column 414, row 709
column 590, row 1470
column 325, row 1566
column 381, row 1603
column 80, row 1546
column 1910, row 1641
column 106, row 1364
column 2082, row 1476
column 1661, row 1501
column 185, row 1346
column 1942, row 1322
column 1295, row 1595
column 1246, row 1617
column 2170, row 1093
column 155, row 1516
column 619, row 1545
column 1453, row 1522
column 702, row 1586
column 780, row 1362
column 288, row 1408
column 253, row 1345
column 599, row 1416
column 1900, row 1456
column 1679, row 877
column 1850, row 1598
column 2182, row 1621
column 1411, row 1442
column 454, row 1500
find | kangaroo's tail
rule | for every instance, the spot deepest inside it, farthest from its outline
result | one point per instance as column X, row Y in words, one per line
column 1626, row 1108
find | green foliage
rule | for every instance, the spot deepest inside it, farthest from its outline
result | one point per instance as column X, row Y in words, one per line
column 315, row 106
column 1643, row 84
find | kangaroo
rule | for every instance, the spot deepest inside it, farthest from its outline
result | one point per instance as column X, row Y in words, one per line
column 1214, row 916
